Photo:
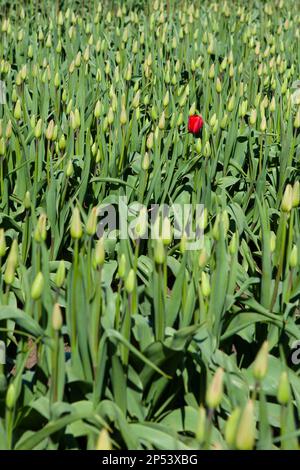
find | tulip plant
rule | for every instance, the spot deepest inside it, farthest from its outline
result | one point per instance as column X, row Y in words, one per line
column 111, row 342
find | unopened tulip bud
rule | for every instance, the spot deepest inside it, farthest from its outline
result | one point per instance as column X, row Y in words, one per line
column 287, row 200
column 60, row 274
column 69, row 169
column 11, row 396
column 253, row 116
column 37, row 286
column 162, row 121
column 272, row 241
column 76, row 227
column 27, row 201
column 8, row 130
column 230, row 105
column 130, row 282
column 211, row 72
column 260, row 365
column 40, row 232
column 2, row 243
column 99, row 256
column 246, row 428
column 205, row 284
column 166, row 99
column 166, row 231
column 57, row 318
column 214, row 392
column 263, row 123
column 49, row 130
column 201, row 425
column 218, row 85
column 159, row 251
column 122, row 266
column 284, row 390
column 233, row 244
column 38, row 129
column 2, row 147
column 150, row 140
column 296, row 194
column 97, row 111
column 18, row 110
column 297, row 119
column 123, row 116
column 91, row 225
column 104, row 442
column 231, row 427
column 293, row 261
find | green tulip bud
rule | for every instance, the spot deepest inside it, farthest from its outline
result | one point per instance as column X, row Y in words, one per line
column 2, row 243
column 76, row 227
column 231, row 427
column 27, row 201
column 287, row 200
column 293, row 261
column 296, row 194
column 57, row 318
column 214, row 392
column 18, row 110
column 246, row 428
column 37, row 286
column 60, row 274
column 284, row 390
column 11, row 396
column 130, row 282
column 260, row 365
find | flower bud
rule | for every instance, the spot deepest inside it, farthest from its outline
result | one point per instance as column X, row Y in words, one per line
column 49, row 130
column 272, row 242
column 284, row 390
column 246, row 428
column 76, row 227
column 123, row 116
column 130, row 282
column 99, row 255
column 40, row 232
column 231, row 427
column 57, row 319
column 69, row 169
column 104, row 442
column 253, row 116
column 91, row 225
column 97, row 111
column 8, row 130
column 260, row 365
column 162, row 121
column 2, row 243
column 296, row 194
column 18, row 110
column 11, row 396
column 159, row 251
column 287, row 200
column 293, row 261
column 38, row 129
column 205, row 284
column 37, row 286
column 60, row 274
column 201, row 425
column 146, row 162
column 62, row 143
column 214, row 393
column 122, row 266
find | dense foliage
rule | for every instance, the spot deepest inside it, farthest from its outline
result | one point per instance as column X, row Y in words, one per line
column 133, row 342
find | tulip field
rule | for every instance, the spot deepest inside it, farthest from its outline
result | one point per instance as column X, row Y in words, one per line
column 141, row 339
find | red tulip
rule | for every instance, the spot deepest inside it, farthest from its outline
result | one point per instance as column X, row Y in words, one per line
column 195, row 125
